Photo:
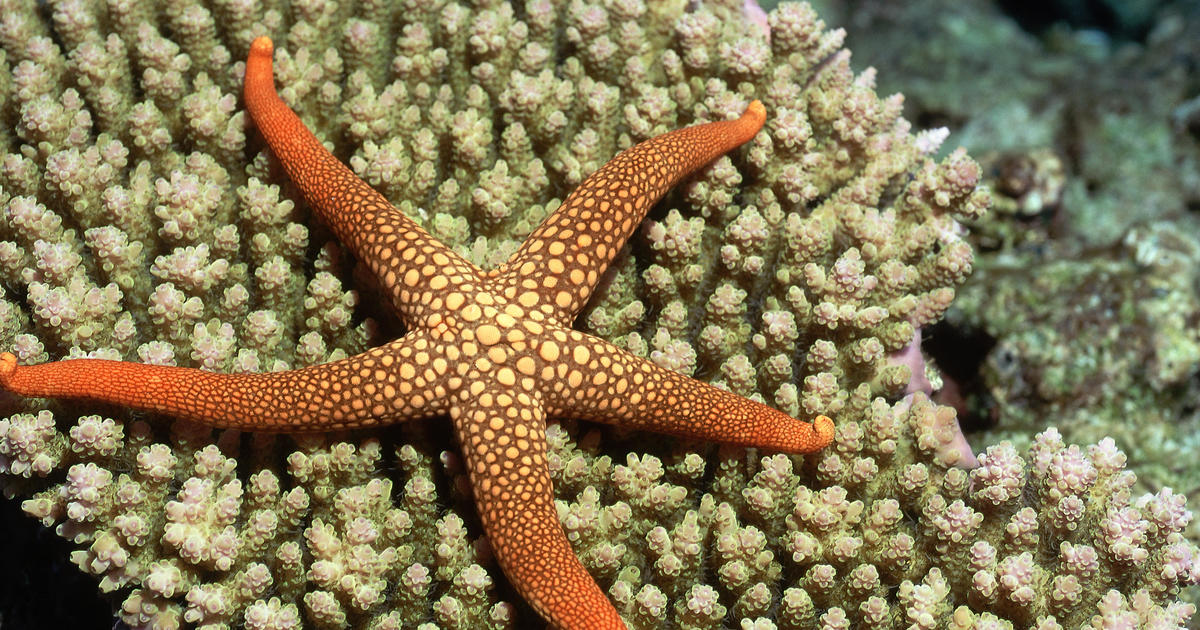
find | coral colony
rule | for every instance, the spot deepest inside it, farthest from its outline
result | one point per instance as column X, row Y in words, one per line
column 144, row 219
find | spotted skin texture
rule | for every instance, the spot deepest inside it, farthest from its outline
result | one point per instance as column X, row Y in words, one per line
column 561, row 262
column 492, row 350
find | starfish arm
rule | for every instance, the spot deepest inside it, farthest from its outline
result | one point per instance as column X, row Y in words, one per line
column 504, row 443
column 604, row 383
column 408, row 260
column 558, row 266
column 377, row 387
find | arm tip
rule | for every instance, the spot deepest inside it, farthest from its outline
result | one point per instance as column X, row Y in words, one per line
column 755, row 112
column 260, row 80
column 748, row 124
column 824, row 428
column 8, row 365
column 262, row 47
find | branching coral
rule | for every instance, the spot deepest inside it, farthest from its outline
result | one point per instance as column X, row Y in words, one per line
column 141, row 220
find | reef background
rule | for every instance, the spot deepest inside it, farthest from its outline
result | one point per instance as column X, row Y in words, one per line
column 1084, row 306
column 1088, row 128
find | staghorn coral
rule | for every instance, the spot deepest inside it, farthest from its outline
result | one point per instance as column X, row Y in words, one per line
column 1083, row 305
column 789, row 273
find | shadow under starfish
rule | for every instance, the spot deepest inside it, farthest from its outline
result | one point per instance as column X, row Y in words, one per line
column 492, row 350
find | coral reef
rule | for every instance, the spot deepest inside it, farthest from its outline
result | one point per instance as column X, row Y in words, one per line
column 143, row 220
column 1115, row 112
column 1138, row 301
column 1083, row 305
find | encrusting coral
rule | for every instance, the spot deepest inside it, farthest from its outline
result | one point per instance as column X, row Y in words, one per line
column 143, row 221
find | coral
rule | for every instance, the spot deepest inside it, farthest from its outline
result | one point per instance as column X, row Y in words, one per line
column 141, row 220
column 1082, row 308
column 1137, row 300
column 1081, row 94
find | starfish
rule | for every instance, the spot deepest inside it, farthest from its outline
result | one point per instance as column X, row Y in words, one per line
column 493, row 350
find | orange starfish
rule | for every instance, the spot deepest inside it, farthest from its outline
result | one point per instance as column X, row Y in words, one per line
column 493, row 350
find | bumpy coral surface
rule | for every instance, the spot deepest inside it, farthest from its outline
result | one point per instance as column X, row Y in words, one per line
column 1082, row 308
column 143, row 220
column 1138, row 300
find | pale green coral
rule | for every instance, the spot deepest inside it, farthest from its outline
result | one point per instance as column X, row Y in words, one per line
column 143, row 220
column 1137, row 302
column 1082, row 309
